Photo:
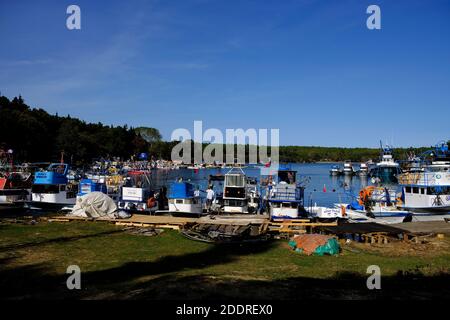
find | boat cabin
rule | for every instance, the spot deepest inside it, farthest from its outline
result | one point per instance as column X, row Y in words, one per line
column 182, row 199
column 285, row 196
column 235, row 192
column 52, row 189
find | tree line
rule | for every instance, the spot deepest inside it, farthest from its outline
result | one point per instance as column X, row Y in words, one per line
column 35, row 135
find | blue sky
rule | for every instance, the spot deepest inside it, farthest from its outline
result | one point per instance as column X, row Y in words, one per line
column 310, row 68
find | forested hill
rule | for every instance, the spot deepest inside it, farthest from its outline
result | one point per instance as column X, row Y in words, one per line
column 35, row 135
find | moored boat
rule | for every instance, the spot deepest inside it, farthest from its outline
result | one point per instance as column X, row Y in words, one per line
column 235, row 192
column 363, row 169
column 348, row 169
column 285, row 196
column 15, row 188
column 52, row 190
column 426, row 193
column 387, row 169
column 183, row 200
column 137, row 194
column 335, row 170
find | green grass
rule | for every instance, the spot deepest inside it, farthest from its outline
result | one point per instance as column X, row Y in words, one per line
column 116, row 264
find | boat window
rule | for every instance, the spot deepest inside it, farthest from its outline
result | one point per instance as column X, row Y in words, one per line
column 408, row 189
column 179, row 201
column 234, row 203
column 62, row 188
column 235, row 181
column 415, row 190
column 234, row 192
column 45, row 188
column 276, row 204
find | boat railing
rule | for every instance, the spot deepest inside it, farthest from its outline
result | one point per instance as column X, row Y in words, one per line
column 289, row 194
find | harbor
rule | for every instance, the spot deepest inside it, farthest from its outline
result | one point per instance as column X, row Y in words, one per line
column 413, row 189
column 236, row 211
column 224, row 158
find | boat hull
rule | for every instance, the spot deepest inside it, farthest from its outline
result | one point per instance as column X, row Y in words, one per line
column 47, row 206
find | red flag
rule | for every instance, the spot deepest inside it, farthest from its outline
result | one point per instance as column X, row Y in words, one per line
column 324, row 188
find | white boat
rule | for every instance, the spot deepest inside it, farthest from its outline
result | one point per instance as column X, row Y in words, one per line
column 183, row 201
column 387, row 169
column 137, row 194
column 363, row 170
column 285, row 196
column 52, row 190
column 335, row 170
column 376, row 204
column 348, row 169
column 235, row 198
column 326, row 214
column 426, row 193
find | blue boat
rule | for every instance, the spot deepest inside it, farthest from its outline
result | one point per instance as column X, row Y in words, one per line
column 184, row 200
column 90, row 185
column 52, row 190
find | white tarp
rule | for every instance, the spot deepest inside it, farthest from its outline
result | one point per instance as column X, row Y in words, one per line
column 97, row 205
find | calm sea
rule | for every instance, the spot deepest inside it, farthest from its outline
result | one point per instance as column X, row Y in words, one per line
column 321, row 188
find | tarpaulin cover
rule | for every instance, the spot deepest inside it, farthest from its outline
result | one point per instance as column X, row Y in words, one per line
column 315, row 244
column 96, row 205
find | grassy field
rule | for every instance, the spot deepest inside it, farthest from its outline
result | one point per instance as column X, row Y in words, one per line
column 116, row 264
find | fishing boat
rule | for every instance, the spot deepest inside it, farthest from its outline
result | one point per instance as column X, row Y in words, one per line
column 107, row 184
column 387, row 169
column 348, row 169
column 137, row 194
column 285, row 196
column 427, row 193
column 363, row 170
column 91, row 185
column 15, row 188
column 376, row 204
column 183, row 200
column 335, row 170
column 52, row 190
column 235, row 198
